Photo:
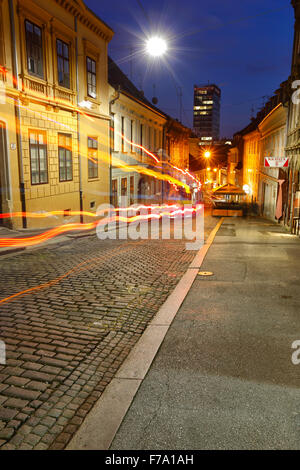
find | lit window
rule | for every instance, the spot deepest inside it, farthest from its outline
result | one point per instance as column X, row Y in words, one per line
column 92, row 157
column 38, row 157
column 91, row 77
column 65, row 157
column 123, row 186
column 114, row 193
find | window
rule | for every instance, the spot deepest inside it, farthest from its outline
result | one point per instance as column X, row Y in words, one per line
column 38, row 157
column 149, row 139
column 63, row 63
column 92, row 157
column 141, row 138
column 1, row 42
column 91, row 77
column 114, row 193
column 131, row 136
column 131, row 189
column 122, row 134
column 123, row 186
column 34, row 48
column 65, row 157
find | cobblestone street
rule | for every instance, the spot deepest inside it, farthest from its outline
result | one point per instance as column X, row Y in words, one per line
column 87, row 304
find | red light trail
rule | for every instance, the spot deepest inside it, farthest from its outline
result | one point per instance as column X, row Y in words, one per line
column 49, row 234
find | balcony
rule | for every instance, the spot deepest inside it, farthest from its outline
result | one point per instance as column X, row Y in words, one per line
column 64, row 95
column 36, row 86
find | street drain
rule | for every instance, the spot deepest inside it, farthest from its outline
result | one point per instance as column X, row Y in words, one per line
column 286, row 296
column 205, row 273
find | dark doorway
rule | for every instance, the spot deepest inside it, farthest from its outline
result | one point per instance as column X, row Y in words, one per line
column 3, row 160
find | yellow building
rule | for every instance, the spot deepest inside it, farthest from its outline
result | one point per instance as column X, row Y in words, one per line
column 251, row 165
column 54, row 110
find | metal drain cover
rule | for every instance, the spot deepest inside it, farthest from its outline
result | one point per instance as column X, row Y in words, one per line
column 205, row 273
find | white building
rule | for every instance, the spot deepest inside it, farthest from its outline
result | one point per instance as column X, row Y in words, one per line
column 272, row 144
column 136, row 123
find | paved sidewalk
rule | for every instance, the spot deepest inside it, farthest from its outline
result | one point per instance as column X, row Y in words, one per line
column 223, row 377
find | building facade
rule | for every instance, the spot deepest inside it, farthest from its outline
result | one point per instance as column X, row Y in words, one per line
column 206, row 122
column 148, row 147
column 136, row 144
column 272, row 144
column 54, row 110
column 292, row 211
column 251, row 165
column 264, row 137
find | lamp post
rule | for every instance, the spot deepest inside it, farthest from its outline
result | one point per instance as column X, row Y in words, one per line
column 156, row 47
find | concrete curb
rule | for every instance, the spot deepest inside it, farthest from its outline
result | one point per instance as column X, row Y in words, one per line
column 103, row 421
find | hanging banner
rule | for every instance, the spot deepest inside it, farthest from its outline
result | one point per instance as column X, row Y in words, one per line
column 276, row 162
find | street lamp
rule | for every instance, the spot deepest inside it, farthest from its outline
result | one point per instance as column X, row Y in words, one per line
column 156, row 46
column 207, row 154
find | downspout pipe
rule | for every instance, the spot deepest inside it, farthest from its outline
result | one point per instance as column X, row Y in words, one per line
column 17, row 111
column 111, row 138
column 164, row 149
column 78, row 123
column 288, row 106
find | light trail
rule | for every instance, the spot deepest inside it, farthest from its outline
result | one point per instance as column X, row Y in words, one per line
column 119, row 163
column 49, row 234
column 138, row 146
column 78, row 268
column 86, row 213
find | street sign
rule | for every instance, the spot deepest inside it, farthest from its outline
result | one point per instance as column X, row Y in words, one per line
column 276, row 162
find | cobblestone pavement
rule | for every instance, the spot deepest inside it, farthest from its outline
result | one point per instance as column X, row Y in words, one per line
column 66, row 339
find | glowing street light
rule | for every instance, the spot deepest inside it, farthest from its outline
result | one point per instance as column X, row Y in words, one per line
column 207, row 154
column 156, row 46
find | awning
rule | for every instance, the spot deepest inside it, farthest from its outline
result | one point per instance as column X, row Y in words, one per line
column 229, row 189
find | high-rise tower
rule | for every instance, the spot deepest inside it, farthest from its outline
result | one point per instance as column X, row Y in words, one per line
column 207, row 112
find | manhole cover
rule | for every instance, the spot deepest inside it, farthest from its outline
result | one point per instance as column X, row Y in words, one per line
column 205, row 273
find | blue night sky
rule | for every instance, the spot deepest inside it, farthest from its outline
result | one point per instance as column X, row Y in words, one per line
column 244, row 47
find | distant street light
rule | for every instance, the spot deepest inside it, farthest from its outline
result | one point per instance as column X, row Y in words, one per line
column 156, row 46
column 207, row 154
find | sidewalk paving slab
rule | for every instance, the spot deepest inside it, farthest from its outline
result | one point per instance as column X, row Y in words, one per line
column 223, row 377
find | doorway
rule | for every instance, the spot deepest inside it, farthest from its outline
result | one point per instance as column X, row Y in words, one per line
column 3, row 160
